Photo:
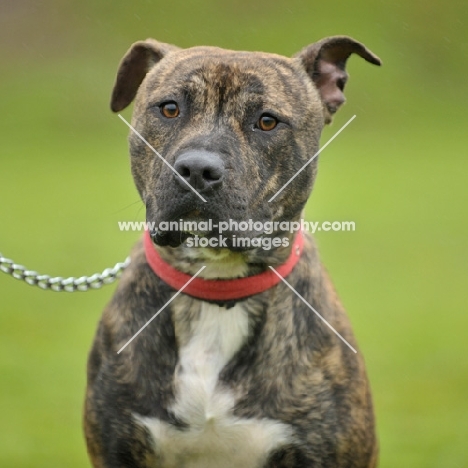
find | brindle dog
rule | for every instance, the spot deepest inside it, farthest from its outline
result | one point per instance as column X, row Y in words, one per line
column 259, row 382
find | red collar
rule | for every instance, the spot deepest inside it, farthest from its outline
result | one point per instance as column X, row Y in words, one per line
column 221, row 289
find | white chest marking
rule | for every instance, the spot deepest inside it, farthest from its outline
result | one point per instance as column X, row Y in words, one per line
column 215, row 338
column 215, row 437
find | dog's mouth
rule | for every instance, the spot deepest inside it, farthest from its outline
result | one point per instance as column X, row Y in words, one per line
column 194, row 229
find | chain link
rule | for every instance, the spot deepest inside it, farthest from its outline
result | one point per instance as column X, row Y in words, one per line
column 58, row 284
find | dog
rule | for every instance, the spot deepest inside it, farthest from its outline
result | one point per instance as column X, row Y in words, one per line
column 236, row 370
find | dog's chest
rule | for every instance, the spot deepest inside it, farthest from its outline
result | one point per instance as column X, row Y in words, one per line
column 214, row 437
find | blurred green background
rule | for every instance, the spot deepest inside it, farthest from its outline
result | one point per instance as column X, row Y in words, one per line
column 399, row 171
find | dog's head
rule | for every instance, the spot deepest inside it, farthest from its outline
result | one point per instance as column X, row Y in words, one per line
column 231, row 128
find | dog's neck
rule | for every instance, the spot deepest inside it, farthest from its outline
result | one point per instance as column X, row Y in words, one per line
column 223, row 290
column 225, row 263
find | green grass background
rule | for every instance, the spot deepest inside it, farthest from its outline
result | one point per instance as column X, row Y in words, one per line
column 399, row 171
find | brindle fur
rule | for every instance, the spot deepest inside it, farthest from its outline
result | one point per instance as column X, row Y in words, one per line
column 291, row 368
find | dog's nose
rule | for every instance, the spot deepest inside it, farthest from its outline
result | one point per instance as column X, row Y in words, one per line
column 201, row 169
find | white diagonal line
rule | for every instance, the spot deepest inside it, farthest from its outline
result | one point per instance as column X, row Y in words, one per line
column 161, row 309
column 313, row 157
column 312, row 309
column 157, row 154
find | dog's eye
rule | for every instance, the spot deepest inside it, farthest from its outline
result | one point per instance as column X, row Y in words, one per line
column 267, row 122
column 170, row 110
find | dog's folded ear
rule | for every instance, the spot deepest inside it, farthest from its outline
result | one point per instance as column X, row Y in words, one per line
column 139, row 59
column 325, row 63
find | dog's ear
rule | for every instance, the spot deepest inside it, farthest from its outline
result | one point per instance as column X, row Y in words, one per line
column 139, row 59
column 325, row 63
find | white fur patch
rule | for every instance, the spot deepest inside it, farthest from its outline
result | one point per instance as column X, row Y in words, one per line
column 220, row 264
column 215, row 438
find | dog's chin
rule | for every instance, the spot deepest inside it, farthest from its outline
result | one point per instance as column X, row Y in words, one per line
column 177, row 238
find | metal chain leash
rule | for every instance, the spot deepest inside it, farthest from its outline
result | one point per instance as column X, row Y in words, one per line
column 58, row 284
